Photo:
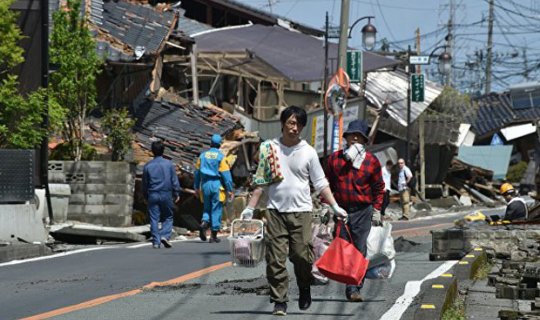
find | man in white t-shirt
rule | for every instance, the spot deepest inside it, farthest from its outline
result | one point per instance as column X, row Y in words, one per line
column 387, row 178
column 404, row 177
column 289, row 211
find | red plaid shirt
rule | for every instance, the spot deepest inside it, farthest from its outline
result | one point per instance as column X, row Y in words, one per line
column 353, row 187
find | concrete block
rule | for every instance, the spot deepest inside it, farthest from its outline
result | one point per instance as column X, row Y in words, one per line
column 437, row 295
column 124, row 199
column 23, row 221
column 85, row 209
column 57, row 177
column 77, row 198
column 117, row 166
column 92, row 199
column 118, row 177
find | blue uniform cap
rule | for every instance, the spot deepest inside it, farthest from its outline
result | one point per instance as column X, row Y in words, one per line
column 216, row 140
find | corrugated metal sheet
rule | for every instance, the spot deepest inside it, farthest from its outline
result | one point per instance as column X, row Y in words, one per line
column 393, row 86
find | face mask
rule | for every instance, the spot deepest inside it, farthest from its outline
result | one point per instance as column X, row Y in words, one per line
column 353, row 151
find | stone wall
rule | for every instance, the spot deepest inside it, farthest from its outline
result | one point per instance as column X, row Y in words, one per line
column 516, row 242
column 101, row 191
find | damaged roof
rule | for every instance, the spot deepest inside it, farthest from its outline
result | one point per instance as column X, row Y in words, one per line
column 185, row 129
column 439, row 129
column 127, row 31
column 393, row 86
column 293, row 55
column 495, row 112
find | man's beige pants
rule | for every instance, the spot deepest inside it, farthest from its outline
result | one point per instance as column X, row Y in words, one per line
column 405, row 198
column 288, row 234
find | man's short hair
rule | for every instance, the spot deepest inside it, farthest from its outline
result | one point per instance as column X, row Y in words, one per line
column 299, row 113
column 389, row 163
column 158, row 148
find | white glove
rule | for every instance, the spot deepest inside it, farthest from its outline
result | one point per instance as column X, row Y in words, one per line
column 247, row 214
column 376, row 218
column 339, row 212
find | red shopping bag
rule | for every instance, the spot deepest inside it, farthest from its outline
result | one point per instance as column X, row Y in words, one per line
column 342, row 262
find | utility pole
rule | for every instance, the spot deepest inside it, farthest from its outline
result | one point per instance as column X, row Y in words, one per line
column 343, row 33
column 325, row 85
column 409, row 89
column 525, row 65
column 44, row 150
column 489, row 58
column 450, row 39
column 418, row 50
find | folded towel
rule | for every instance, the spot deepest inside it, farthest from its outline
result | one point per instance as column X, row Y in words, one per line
column 356, row 154
column 268, row 170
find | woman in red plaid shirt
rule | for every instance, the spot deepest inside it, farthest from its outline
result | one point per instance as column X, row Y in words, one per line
column 355, row 178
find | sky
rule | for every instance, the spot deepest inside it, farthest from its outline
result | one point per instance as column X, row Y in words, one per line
column 516, row 33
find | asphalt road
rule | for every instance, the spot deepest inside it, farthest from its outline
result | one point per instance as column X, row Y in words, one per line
column 36, row 287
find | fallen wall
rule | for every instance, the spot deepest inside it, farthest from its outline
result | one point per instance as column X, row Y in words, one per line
column 101, row 191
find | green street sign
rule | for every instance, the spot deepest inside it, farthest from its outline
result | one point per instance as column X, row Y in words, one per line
column 354, row 65
column 417, row 88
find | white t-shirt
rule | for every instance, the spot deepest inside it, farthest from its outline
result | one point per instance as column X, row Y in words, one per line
column 404, row 174
column 387, row 178
column 299, row 164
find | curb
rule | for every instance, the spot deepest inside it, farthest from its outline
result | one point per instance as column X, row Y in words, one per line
column 22, row 251
column 438, row 295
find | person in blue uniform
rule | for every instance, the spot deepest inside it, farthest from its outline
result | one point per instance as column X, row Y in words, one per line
column 161, row 190
column 212, row 178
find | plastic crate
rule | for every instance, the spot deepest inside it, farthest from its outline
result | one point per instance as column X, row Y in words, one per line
column 247, row 242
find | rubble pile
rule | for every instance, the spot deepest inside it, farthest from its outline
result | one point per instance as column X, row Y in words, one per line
column 465, row 180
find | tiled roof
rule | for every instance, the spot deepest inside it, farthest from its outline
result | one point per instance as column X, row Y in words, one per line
column 185, row 129
column 130, row 26
column 439, row 129
column 495, row 112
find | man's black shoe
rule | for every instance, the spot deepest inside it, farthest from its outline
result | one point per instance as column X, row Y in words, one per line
column 280, row 309
column 166, row 243
column 304, row 302
column 214, row 238
column 404, row 219
column 202, row 230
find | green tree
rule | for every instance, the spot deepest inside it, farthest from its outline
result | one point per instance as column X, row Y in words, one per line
column 117, row 125
column 73, row 85
column 20, row 117
column 452, row 102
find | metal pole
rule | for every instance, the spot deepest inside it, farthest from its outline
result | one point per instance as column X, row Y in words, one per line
column 194, row 76
column 343, row 33
column 408, row 69
column 44, row 155
column 325, row 85
column 421, row 139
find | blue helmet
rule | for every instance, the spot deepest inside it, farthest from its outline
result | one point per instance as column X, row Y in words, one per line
column 216, row 140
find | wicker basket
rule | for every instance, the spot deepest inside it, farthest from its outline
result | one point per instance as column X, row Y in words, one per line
column 247, row 242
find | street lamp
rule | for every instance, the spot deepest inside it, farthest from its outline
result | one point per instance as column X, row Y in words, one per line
column 445, row 63
column 369, row 33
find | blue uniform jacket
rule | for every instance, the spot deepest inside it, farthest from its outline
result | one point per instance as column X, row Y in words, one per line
column 159, row 175
column 212, row 165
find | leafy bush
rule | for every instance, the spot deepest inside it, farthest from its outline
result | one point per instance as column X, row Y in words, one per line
column 117, row 124
column 516, row 172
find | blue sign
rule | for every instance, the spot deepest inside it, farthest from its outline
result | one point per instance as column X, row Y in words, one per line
column 496, row 140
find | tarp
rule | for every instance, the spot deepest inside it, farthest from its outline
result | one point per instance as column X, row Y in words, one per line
column 495, row 158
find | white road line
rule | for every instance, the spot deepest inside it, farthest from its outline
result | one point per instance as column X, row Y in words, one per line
column 146, row 244
column 58, row 255
column 412, row 288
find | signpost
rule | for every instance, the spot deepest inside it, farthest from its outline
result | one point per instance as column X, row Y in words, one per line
column 417, row 88
column 354, row 65
column 419, row 60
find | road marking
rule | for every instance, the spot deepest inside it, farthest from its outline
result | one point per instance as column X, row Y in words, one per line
column 412, row 288
column 52, row 256
column 106, row 299
column 427, row 306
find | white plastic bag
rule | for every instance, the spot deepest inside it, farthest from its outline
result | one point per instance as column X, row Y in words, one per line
column 380, row 241
column 381, row 252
